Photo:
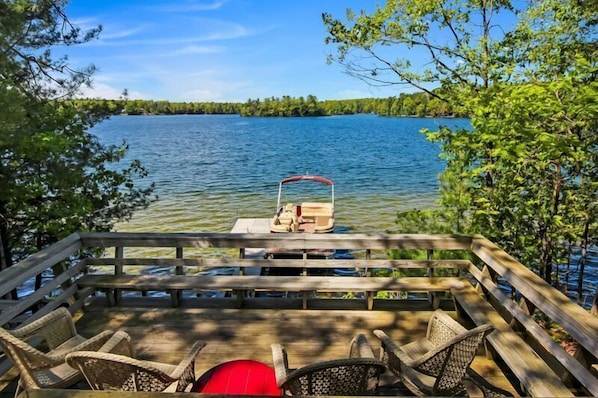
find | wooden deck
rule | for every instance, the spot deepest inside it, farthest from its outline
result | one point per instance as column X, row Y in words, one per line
column 161, row 333
column 534, row 363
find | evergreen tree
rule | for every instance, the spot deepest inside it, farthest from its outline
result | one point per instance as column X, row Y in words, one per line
column 55, row 177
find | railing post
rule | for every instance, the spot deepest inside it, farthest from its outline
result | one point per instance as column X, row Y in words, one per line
column 58, row 269
column 433, row 297
column 119, row 254
column 242, row 255
column 304, row 273
column 177, row 296
column 179, row 270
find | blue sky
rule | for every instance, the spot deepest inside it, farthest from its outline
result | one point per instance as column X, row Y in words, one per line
column 214, row 50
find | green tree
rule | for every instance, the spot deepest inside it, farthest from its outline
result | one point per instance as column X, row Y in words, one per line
column 55, row 177
column 524, row 175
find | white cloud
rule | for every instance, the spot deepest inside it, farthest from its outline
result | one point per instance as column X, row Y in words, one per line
column 105, row 91
column 189, row 50
column 351, row 94
column 191, row 5
column 221, row 30
column 119, row 34
column 100, row 91
column 200, row 96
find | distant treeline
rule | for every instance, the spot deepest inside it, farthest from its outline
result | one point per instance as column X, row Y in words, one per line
column 417, row 104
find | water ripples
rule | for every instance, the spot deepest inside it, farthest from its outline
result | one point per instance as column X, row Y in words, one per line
column 211, row 170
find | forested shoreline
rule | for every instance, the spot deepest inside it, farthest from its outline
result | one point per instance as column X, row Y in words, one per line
column 412, row 105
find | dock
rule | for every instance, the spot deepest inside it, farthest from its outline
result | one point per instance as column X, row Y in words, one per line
column 252, row 226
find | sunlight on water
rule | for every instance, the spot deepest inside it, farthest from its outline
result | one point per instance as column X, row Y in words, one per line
column 211, row 170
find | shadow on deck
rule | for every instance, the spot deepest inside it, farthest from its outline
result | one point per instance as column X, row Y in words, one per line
column 164, row 334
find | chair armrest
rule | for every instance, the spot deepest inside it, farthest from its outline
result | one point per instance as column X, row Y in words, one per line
column 360, row 348
column 185, row 370
column 392, row 350
column 92, row 344
column 427, row 364
column 119, row 343
column 25, row 352
column 281, row 363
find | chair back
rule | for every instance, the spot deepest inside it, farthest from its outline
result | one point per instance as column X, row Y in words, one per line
column 52, row 329
column 106, row 371
column 453, row 359
column 47, row 332
column 351, row 376
column 26, row 357
column 443, row 328
column 55, row 328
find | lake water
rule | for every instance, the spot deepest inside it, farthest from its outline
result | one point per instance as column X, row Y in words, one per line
column 210, row 170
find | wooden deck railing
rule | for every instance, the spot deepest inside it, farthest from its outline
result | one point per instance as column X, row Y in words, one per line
column 480, row 298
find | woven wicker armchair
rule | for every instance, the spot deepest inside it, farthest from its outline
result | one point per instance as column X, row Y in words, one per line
column 355, row 375
column 437, row 364
column 488, row 390
column 105, row 371
column 46, row 368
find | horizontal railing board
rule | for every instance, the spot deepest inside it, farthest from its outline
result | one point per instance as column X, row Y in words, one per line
column 582, row 374
column 275, row 283
column 281, row 263
column 286, row 241
column 553, row 303
column 534, row 374
column 16, row 275
column 40, row 294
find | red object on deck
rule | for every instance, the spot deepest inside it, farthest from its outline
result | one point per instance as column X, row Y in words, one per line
column 239, row 377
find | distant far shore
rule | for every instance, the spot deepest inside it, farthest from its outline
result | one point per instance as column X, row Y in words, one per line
column 405, row 105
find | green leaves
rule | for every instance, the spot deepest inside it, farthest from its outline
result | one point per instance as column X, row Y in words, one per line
column 55, row 177
column 525, row 175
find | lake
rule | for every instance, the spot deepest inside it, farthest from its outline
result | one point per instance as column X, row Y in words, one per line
column 210, row 170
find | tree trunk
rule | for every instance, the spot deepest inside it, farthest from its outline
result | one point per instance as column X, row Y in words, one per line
column 582, row 261
column 568, row 267
column 5, row 250
column 547, row 239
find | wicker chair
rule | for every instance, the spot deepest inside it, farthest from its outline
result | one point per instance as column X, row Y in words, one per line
column 488, row 390
column 106, row 371
column 355, row 375
column 45, row 367
column 437, row 364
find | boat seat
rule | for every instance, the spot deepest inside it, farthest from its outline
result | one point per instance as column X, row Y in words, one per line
column 323, row 221
column 289, row 220
column 312, row 210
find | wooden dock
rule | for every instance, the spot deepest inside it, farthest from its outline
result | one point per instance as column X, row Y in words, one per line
column 251, row 226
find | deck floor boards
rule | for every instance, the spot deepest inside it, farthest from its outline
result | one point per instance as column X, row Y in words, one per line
column 161, row 333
